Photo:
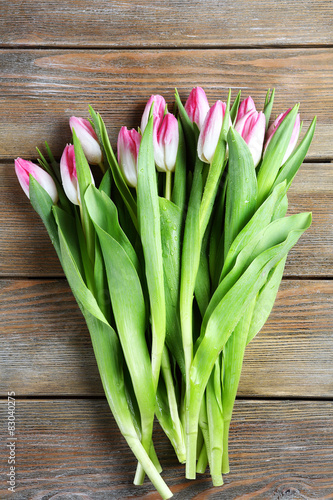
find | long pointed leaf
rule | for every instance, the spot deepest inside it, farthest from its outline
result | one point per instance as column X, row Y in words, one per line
column 150, row 232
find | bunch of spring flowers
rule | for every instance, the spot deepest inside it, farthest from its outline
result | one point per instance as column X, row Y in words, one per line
column 175, row 259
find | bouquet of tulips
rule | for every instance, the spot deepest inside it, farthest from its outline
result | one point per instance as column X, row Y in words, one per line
column 175, row 259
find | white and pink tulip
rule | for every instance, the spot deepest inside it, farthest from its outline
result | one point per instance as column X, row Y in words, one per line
column 25, row 168
column 128, row 146
column 210, row 132
column 158, row 110
column 197, row 106
column 252, row 127
column 69, row 175
column 88, row 139
column 166, row 140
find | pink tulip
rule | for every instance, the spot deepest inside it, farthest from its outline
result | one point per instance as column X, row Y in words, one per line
column 69, row 175
column 294, row 136
column 128, row 145
column 210, row 132
column 166, row 139
column 197, row 106
column 245, row 107
column 88, row 139
column 158, row 110
column 252, row 127
column 24, row 168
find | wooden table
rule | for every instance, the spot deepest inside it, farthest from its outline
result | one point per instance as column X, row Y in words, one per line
column 58, row 57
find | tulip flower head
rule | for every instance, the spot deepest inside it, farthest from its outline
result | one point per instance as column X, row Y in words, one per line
column 69, row 175
column 166, row 140
column 158, row 110
column 252, row 127
column 245, row 107
column 25, row 168
column 294, row 136
column 197, row 106
column 88, row 139
column 210, row 132
column 128, row 145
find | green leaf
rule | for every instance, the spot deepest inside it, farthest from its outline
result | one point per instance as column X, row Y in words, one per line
column 261, row 218
column 150, row 232
column 202, row 284
column 225, row 317
column 72, row 266
column 291, row 166
column 171, row 227
column 274, row 154
column 234, row 108
column 190, row 262
column 270, row 236
column 129, row 313
column 113, row 164
column 191, row 134
column 179, row 186
column 84, row 180
column 104, row 213
column 216, row 244
column 63, row 200
column 241, row 196
column 106, row 183
column 43, row 204
column 265, row 300
column 269, row 101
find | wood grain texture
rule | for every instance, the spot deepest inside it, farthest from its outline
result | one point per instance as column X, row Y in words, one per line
column 46, row 347
column 25, row 248
column 41, row 89
column 73, row 450
column 148, row 23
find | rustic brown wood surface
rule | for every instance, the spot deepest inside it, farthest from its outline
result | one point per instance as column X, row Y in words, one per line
column 46, row 348
column 72, row 449
column 55, row 59
column 43, row 88
column 172, row 24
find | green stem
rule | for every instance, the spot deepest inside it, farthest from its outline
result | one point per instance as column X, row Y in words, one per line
column 109, row 359
column 177, row 426
column 225, row 457
column 168, row 176
column 189, row 266
column 215, row 424
column 149, row 467
column 140, row 471
column 202, row 460
column 102, row 166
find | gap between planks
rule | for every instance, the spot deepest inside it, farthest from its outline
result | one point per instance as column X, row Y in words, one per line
column 167, row 47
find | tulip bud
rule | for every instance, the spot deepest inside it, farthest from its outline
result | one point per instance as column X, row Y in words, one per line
column 166, row 139
column 294, row 136
column 69, row 175
column 245, row 107
column 88, row 139
column 128, row 145
column 24, row 168
column 252, row 127
column 158, row 110
column 210, row 132
column 197, row 106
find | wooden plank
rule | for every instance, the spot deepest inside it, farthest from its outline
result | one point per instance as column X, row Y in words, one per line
column 46, row 347
column 72, row 449
column 126, row 24
column 25, row 248
column 41, row 89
